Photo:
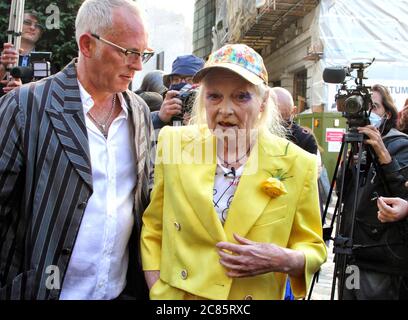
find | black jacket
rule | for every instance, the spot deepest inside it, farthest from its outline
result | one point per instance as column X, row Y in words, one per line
column 381, row 247
column 302, row 138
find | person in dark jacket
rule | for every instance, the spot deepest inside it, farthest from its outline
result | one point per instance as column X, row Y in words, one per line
column 298, row 135
column 152, row 90
column 380, row 249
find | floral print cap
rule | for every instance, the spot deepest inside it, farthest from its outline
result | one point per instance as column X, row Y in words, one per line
column 240, row 59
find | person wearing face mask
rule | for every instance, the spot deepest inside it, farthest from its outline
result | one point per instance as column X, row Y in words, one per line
column 380, row 249
column 296, row 133
column 183, row 70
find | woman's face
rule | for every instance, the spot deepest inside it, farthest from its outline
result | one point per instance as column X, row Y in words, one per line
column 378, row 107
column 231, row 102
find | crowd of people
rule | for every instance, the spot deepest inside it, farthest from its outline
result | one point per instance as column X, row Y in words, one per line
column 123, row 212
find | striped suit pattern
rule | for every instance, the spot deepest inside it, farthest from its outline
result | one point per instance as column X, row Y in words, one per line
column 46, row 181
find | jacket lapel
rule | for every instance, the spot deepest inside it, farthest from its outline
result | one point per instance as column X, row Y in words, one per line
column 269, row 155
column 197, row 177
column 67, row 117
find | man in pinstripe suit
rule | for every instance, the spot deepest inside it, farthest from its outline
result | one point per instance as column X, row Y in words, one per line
column 74, row 168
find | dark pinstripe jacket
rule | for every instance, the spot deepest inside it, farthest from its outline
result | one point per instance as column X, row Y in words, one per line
column 46, row 181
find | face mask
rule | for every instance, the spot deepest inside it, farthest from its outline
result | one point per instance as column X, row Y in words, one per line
column 177, row 87
column 288, row 123
column 375, row 120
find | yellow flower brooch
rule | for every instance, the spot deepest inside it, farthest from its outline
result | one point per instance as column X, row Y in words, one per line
column 274, row 186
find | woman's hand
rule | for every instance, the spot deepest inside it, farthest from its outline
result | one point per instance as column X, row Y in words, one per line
column 152, row 277
column 392, row 209
column 374, row 139
column 251, row 258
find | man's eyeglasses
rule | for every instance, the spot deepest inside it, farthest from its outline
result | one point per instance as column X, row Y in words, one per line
column 145, row 56
column 176, row 79
column 30, row 23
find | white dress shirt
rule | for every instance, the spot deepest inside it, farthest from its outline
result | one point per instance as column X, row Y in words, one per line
column 98, row 265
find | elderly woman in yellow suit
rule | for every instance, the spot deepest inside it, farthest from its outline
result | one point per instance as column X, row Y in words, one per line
column 234, row 210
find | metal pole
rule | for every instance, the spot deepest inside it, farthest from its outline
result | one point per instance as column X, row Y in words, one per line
column 15, row 29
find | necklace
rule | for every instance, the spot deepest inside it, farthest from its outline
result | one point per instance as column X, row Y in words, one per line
column 103, row 126
column 236, row 160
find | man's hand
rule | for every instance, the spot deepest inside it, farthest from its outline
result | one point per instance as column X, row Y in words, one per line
column 251, row 258
column 12, row 84
column 392, row 209
column 9, row 55
column 374, row 139
column 171, row 106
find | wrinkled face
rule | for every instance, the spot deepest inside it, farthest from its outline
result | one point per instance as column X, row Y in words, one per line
column 110, row 69
column 231, row 102
column 31, row 29
column 378, row 107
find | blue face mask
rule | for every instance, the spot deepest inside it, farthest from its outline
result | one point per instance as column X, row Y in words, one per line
column 375, row 120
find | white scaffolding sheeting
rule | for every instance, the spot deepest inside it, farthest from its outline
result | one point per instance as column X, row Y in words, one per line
column 232, row 15
column 354, row 31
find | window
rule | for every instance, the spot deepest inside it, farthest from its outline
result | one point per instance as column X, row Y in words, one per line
column 300, row 90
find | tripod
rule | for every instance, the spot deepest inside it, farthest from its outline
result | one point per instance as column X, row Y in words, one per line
column 343, row 239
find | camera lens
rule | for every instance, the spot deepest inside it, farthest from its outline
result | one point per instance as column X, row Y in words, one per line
column 353, row 104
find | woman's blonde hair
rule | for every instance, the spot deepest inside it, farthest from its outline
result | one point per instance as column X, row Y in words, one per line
column 269, row 119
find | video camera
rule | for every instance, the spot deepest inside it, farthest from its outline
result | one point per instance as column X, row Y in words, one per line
column 354, row 103
column 39, row 67
column 187, row 96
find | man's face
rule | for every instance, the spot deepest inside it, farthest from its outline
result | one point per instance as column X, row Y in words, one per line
column 31, row 29
column 110, row 69
column 178, row 78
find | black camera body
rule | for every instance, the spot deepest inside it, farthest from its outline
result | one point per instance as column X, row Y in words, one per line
column 354, row 103
column 39, row 67
column 187, row 96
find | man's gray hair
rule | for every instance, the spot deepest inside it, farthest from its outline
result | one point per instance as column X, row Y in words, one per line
column 96, row 16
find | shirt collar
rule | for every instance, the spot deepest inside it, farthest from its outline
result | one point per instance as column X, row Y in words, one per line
column 88, row 102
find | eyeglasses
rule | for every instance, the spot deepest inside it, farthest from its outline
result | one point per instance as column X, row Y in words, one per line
column 176, row 79
column 145, row 56
column 30, row 23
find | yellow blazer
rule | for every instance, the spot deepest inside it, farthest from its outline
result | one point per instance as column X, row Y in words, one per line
column 181, row 227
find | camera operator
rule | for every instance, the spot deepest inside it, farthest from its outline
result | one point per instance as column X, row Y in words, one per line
column 32, row 31
column 183, row 70
column 380, row 249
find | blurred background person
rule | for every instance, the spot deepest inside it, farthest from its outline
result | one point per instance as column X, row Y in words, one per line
column 403, row 118
column 183, row 70
column 152, row 89
column 297, row 134
column 32, row 31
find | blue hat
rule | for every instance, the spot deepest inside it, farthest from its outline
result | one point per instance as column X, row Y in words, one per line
column 187, row 65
